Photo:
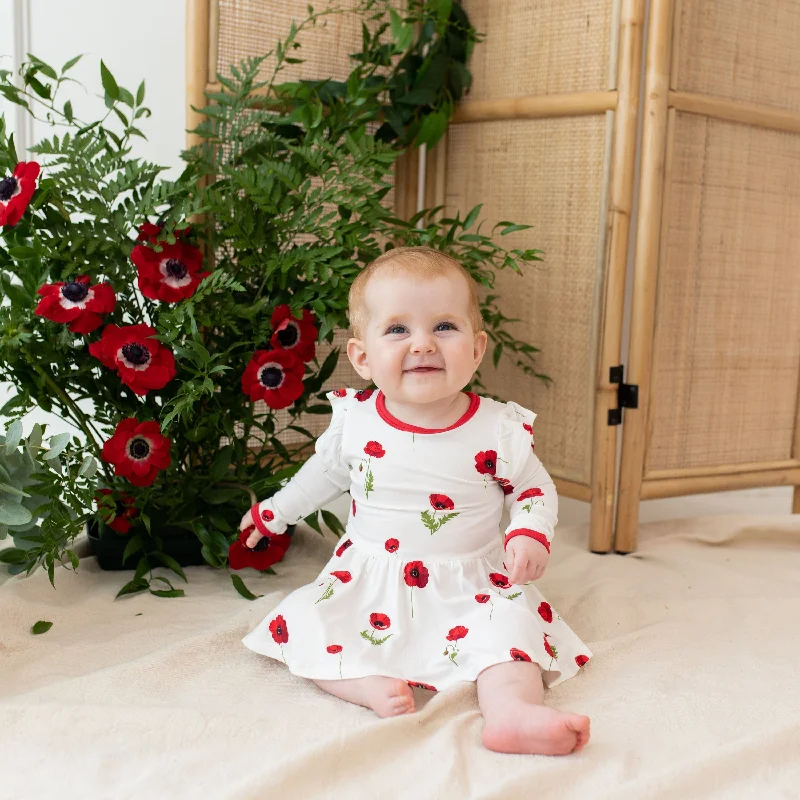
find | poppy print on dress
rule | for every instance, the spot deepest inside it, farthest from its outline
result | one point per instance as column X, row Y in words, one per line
column 341, row 575
column 280, row 633
column 342, row 547
column 455, row 634
column 505, row 485
column 581, row 660
column 380, row 622
column 373, row 450
column 551, row 650
column 439, row 502
column 391, row 545
column 419, row 685
column 519, row 655
column 502, row 582
column 333, row 649
column 415, row 574
column 534, row 493
column 364, row 394
column 485, row 598
column 545, row 612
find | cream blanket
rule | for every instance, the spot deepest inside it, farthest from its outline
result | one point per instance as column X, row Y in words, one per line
column 693, row 691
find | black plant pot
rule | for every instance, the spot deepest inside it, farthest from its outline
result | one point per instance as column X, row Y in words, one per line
column 109, row 546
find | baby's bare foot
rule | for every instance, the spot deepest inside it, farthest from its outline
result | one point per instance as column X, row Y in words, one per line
column 529, row 728
column 388, row 697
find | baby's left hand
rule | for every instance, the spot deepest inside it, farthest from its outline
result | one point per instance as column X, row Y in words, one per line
column 526, row 559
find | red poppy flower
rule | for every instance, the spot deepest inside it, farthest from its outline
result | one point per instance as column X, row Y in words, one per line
column 581, row 660
column 364, row 394
column 354, row 507
column 143, row 363
column 548, row 648
column 530, row 493
column 519, row 655
column 344, row 577
column 499, row 580
column 342, row 547
column 77, row 303
column 374, row 449
column 125, row 511
column 268, row 551
column 441, row 502
column 416, row 574
column 545, row 612
column 422, row 685
column 299, row 336
column 274, row 376
column 459, row 632
column 391, row 545
column 278, row 629
column 16, row 192
column 379, row 621
column 482, row 598
column 148, row 232
column 340, row 392
column 171, row 275
column 505, row 485
column 486, row 462
column 334, row 648
column 138, row 451
column 528, row 428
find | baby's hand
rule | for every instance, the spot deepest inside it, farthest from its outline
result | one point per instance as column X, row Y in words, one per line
column 254, row 538
column 526, row 559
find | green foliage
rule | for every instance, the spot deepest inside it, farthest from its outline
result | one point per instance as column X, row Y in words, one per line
column 291, row 178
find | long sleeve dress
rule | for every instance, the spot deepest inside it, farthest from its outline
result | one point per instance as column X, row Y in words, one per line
column 417, row 588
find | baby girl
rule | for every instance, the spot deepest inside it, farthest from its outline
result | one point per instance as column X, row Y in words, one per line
column 422, row 591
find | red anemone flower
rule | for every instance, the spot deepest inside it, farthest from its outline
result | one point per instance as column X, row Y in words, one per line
column 16, row 192
column 143, row 363
column 125, row 511
column 269, row 550
column 77, row 303
column 148, row 232
column 171, row 275
column 299, row 336
column 274, row 376
column 138, row 451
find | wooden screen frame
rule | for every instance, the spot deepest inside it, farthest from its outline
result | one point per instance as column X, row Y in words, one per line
column 620, row 104
column 661, row 103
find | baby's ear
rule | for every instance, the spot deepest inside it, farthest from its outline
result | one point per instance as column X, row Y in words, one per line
column 481, row 340
column 358, row 358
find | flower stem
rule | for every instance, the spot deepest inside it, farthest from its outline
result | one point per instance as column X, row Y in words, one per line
column 79, row 415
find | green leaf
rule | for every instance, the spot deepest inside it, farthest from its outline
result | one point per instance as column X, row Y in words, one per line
column 169, row 561
column 42, row 626
column 57, row 445
column 133, row 546
column 88, row 467
column 219, row 468
column 242, row 589
column 4, row 487
column 71, row 63
column 14, row 514
column 332, row 521
column 68, row 111
column 13, row 435
column 13, row 555
column 109, row 84
column 168, row 592
column 472, row 216
column 140, row 94
column 132, row 587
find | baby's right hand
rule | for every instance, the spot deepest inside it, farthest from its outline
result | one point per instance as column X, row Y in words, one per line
column 255, row 537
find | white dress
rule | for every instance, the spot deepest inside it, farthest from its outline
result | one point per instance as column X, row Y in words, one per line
column 416, row 589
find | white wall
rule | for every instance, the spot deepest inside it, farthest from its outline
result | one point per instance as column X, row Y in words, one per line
column 137, row 41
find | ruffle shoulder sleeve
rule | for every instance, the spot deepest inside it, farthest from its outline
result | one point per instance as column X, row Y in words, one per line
column 329, row 443
column 514, row 442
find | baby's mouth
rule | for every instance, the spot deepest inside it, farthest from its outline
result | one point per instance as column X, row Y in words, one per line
column 424, row 369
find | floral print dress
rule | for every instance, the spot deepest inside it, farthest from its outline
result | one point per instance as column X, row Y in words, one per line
column 417, row 588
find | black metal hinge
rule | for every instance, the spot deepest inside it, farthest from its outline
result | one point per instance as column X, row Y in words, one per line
column 627, row 395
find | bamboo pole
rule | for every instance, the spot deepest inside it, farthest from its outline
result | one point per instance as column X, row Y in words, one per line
column 535, row 107
column 213, row 38
column 577, row 491
column 655, row 133
column 674, row 487
column 196, row 64
column 746, row 113
column 604, row 450
column 722, row 469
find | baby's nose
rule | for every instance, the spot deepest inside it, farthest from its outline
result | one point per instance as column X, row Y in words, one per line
column 423, row 343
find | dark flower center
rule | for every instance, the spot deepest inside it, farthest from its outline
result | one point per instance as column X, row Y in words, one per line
column 139, row 448
column 263, row 544
column 271, row 377
column 176, row 269
column 75, row 291
column 8, row 186
column 489, row 463
column 439, row 505
column 288, row 336
column 135, row 353
column 414, row 572
column 279, row 630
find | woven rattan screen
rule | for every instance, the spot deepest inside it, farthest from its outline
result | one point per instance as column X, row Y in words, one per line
column 548, row 173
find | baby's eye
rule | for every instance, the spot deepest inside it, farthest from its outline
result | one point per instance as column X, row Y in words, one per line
column 394, row 329
column 449, row 325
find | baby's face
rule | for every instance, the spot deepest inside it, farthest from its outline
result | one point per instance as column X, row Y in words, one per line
column 419, row 346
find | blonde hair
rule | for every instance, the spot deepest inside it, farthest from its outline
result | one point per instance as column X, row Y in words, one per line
column 424, row 263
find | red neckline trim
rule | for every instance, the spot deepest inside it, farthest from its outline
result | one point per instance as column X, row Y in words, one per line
column 387, row 416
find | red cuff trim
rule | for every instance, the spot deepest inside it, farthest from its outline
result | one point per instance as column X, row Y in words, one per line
column 540, row 537
column 255, row 515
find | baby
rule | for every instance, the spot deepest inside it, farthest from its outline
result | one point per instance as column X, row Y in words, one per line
column 422, row 592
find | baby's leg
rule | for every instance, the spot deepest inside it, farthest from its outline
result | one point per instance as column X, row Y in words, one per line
column 511, row 696
column 387, row 697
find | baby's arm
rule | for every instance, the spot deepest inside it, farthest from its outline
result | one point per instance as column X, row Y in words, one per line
column 533, row 507
column 308, row 490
